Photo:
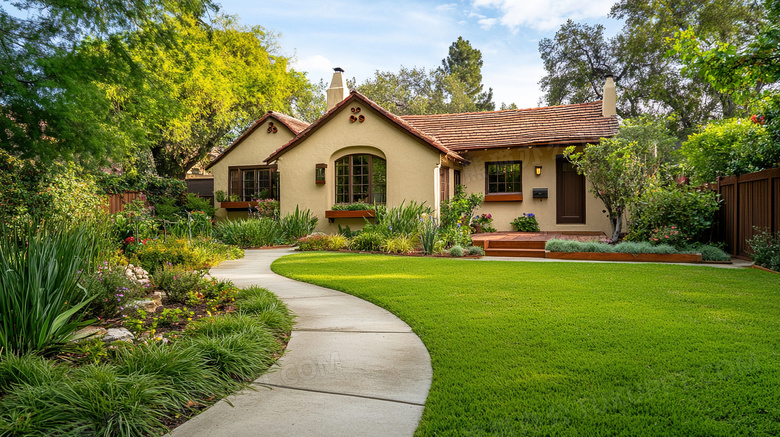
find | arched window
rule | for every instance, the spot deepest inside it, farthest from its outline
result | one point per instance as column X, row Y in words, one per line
column 361, row 178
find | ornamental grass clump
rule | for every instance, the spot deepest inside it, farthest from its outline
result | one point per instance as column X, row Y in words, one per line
column 41, row 300
column 556, row 245
column 250, row 233
column 266, row 307
column 297, row 225
column 399, row 244
column 31, row 370
column 429, row 232
column 456, row 251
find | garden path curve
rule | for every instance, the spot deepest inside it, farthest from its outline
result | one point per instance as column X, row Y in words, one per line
column 351, row 368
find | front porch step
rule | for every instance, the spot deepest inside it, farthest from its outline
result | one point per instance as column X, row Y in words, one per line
column 521, row 253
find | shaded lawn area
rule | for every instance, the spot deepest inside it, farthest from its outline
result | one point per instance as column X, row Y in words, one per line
column 524, row 348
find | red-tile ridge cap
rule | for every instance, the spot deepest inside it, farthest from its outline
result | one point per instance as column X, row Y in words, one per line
column 396, row 120
column 292, row 123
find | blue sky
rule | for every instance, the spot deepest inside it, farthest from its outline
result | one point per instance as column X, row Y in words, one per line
column 364, row 36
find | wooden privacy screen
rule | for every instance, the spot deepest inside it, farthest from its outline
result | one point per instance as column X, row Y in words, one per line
column 749, row 202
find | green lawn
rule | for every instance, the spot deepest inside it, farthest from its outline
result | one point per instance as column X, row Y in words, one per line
column 523, row 348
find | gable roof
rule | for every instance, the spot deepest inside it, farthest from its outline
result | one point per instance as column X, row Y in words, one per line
column 292, row 123
column 564, row 124
column 394, row 120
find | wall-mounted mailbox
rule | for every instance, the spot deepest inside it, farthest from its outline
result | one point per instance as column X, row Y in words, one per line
column 540, row 193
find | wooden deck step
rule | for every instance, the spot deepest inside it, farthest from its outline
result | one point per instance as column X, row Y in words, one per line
column 524, row 253
column 514, row 244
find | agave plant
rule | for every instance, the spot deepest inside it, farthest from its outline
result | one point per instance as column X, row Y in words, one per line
column 40, row 294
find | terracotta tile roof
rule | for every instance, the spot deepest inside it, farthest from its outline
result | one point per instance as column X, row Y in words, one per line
column 396, row 120
column 292, row 123
column 578, row 123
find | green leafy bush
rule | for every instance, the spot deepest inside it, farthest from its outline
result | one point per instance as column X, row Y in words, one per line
column 156, row 254
column 526, row 223
column 459, row 208
column 690, row 210
column 177, row 281
column 111, row 290
column 371, row 239
column 669, row 235
column 766, row 249
column 314, row 242
column 41, row 300
column 358, row 206
column 195, row 203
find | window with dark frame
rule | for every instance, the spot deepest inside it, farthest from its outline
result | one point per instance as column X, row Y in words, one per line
column 456, row 177
column 503, row 177
column 361, row 178
column 249, row 183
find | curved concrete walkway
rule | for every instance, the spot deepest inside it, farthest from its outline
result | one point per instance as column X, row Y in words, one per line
column 351, row 368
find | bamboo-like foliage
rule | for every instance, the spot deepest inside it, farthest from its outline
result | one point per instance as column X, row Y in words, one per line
column 40, row 294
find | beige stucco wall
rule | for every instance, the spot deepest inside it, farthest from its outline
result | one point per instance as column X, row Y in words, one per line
column 473, row 176
column 251, row 151
column 412, row 171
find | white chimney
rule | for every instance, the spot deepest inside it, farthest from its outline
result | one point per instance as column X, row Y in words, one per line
column 338, row 90
column 609, row 101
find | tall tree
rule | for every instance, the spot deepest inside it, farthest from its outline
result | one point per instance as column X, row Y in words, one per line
column 208, row 85
column 52, row 96
column 648, row 81
column 456, row 86
column 464, row 63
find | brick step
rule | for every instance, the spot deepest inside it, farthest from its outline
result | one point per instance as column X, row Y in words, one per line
column 514, row 244
column 524, row 253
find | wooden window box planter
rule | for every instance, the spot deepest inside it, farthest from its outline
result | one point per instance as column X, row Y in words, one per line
column 503, row 198
column 640, row 257
column 361, row 213
column 237, row 205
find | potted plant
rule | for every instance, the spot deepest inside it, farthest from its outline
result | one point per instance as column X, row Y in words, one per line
column 482, row 223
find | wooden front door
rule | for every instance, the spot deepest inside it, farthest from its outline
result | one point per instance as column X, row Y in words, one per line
column 570, row 193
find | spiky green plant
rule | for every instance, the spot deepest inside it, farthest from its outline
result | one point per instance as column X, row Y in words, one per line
column 40, row 295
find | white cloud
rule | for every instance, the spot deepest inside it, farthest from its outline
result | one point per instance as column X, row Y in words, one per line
column 316, row 66
column 487, row 23
column 544, row 15
column 447, row 7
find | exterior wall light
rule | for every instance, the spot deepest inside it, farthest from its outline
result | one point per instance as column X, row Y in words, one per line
column 538, row 170
column 319, row 173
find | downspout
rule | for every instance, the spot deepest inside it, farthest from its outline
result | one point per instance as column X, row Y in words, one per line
column 437, row 189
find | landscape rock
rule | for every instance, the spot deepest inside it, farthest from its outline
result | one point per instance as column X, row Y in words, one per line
column 118, row 334
column 87, row 333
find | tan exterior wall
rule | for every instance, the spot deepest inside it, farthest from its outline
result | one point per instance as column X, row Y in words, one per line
column 412, row 171
column 252, row 151
column 473, row 177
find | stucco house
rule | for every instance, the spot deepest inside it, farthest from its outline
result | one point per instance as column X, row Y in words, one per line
column 358, row 151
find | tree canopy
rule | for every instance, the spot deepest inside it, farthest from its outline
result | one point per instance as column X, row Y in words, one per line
column 456, row 86
column 647, row 80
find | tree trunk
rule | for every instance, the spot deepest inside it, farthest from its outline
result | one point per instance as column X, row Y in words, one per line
column 617, row 225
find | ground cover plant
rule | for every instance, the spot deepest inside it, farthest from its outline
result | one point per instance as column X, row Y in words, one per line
column 578, row 348
column 708, row 253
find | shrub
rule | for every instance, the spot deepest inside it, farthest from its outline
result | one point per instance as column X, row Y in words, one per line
column 296, row 225
column 177, row 282
column 712, row 253
column 476, row 250
column 357, row 206
column 250, row 233
column 429, row 231
column 669, row 235
column 456, row 235
column 399, row 244
column 766, row 249
column 195, row 203
column 633, row 247
column 556, row 245
column 526, row 223
column 691, row 211
column 370, row 239
column 314, row 242
column 459, row 208
column 41, row 300
column 338, row 242
column 484, row 221
column 111, row 289
column 456, row 251
column 265, row 208
column 155, row 254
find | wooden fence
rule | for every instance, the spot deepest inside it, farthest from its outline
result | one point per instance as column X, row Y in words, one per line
column 201, row 187
column 749, row 202
column 116, row 202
